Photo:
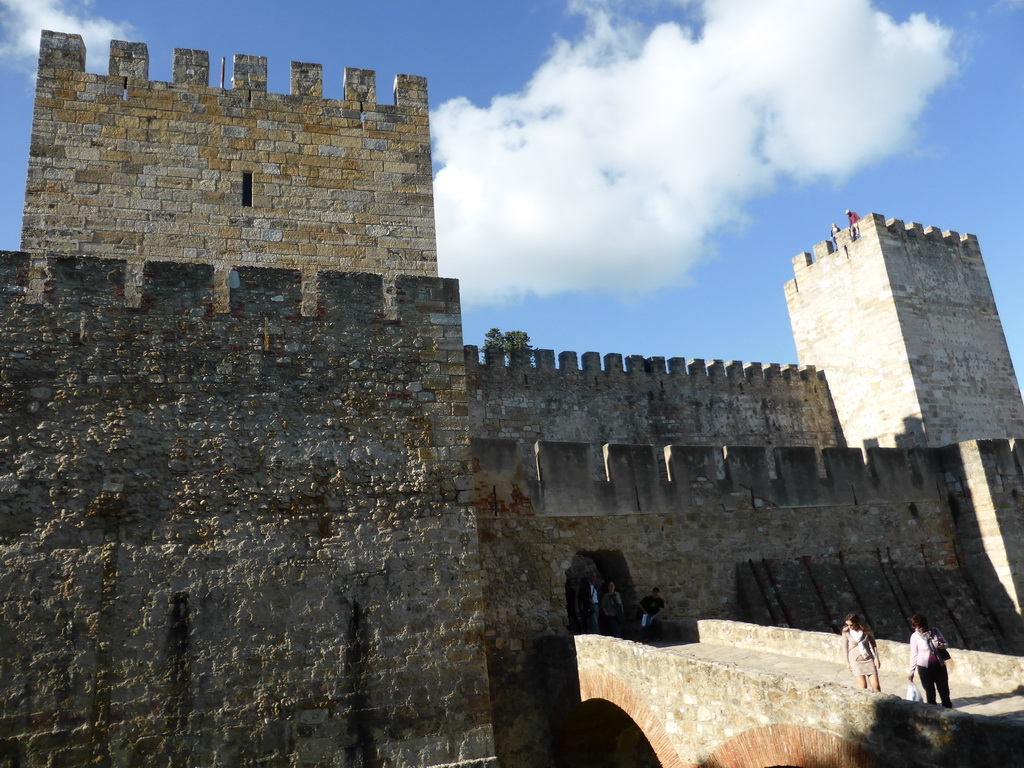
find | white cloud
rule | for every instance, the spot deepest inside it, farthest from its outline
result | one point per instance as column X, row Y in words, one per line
column 629, row 147
column 21, row 21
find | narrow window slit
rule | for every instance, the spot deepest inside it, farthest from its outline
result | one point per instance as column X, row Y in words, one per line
column 247, row 190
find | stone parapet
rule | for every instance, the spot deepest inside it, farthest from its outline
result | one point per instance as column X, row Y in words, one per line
column 641, row 479
column 638, row 400
column 707, row 706
column 184, row 171
column 993, row 671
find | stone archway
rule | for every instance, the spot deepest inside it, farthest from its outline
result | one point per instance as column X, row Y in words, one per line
column 773, row 746
column 613, row 691
column 599, row 734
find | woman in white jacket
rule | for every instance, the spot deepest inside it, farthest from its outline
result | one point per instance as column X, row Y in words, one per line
column 861, row 653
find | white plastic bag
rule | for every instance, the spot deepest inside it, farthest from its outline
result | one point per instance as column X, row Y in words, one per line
column 913, row 694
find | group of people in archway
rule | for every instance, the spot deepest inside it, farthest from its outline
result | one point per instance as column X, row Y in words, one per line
column 928, row 657
column 601, row 610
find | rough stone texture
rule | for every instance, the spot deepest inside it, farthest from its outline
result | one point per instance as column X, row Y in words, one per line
column 904, row 323
column 121, row 166
column 996, row 672
column 692, row 403
column 227, row 538
column 986, row 485
column 238, row 520
column 698, row 710
column 816, row 592
column 691, row 536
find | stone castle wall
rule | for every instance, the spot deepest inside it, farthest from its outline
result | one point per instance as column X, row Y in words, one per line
column 985, row 480
column 958, row 353
column 904, row 323
column 242, row 517
column 125, row 167
column 687, row 534
column 227, row 538
column 691, row 403
column 696, row 535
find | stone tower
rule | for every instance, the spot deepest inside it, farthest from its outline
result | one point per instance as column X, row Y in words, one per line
column 125, row 167
column 247, row 536
column 903, row 322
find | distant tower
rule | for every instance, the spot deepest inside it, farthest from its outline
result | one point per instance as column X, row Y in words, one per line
column 904, row 325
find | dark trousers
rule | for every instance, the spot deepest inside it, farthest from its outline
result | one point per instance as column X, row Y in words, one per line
column 934, row 677
column 653, row 629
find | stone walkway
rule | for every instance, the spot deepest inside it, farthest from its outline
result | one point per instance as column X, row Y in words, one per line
column 973, row 700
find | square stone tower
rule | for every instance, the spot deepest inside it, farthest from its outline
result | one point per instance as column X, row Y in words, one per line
column 903, row 323
column 248, row 537
column 125, row 167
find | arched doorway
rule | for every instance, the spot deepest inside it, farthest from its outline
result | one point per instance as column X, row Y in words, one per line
column 601, row 735
column 610, row 565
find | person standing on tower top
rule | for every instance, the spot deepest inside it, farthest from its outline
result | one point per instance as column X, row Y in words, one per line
column 853, row 219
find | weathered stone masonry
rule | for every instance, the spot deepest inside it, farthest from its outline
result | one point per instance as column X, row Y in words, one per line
column 693, row 402
column 229, row 537
column 241, row 517
column 122, row 166
column 904, row 323
column 824, row 532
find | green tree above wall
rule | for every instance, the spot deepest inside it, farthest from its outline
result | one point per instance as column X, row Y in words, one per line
column 506, row 341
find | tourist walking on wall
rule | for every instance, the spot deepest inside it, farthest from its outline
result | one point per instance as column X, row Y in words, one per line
column 853, row 218
column 611, row 607
column 835, row 233
column 589, row 601
column 928, row 656
column 861, row 653
column 650, row 620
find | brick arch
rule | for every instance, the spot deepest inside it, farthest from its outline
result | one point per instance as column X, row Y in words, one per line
column 784, row 745
column 601, row 685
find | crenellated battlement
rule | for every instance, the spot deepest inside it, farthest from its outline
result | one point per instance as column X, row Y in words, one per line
column 145, row 170
column 60, row 54
column 238, row 422
column 872, row 228
column 650, row 479
column 539, row 361
column 904, row 323
column 201, row 292
column 636, row 399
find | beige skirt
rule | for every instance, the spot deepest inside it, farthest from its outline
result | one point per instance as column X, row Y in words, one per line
column 861, row 665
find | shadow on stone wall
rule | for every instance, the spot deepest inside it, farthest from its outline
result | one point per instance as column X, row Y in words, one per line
column 533, row 695
column 985, row 484
column 816, row 593
column 906, row 735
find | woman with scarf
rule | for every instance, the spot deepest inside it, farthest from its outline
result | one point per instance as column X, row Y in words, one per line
column 861, row 653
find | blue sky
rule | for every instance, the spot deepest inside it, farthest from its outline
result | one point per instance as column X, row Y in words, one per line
column 635, row 177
